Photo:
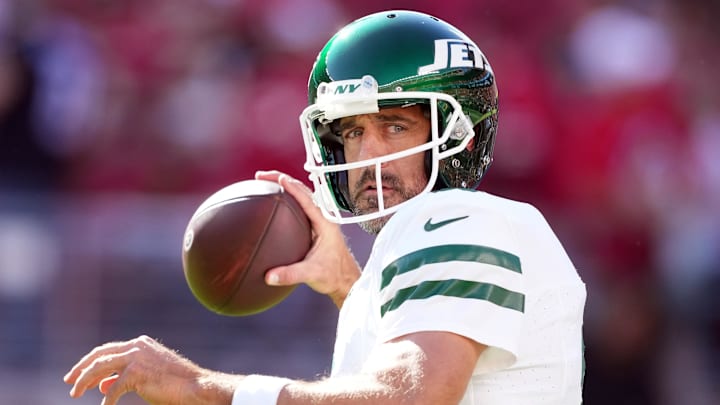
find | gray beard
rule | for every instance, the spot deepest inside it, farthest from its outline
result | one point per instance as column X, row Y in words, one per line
column 370, row 205
column 374, row 226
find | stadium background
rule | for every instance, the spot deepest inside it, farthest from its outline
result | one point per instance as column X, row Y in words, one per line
column 117, row 117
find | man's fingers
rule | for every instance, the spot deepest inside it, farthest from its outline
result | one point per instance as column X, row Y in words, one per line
column 116, row 389
column 107, row 348
column 101, row 368
column 269, row 175
column 145, row 367
column 290, row 275
column 304, row 196
column 106, row 383
column 283, row 275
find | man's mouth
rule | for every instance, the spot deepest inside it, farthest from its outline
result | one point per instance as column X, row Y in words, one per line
column 372, row 188
column 367, row 188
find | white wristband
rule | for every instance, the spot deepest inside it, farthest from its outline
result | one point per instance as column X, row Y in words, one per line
column 259, row 390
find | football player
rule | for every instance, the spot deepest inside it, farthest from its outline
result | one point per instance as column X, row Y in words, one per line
column 467, row 298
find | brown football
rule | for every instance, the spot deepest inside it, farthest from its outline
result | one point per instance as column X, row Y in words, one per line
column 234, row 237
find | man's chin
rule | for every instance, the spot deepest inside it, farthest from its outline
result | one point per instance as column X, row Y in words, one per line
column 370, row 206
column 374, row 226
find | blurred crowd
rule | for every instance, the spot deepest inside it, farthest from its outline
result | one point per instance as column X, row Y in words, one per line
column 118, row 116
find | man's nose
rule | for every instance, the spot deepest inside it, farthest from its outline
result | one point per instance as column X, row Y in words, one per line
column 372, row 145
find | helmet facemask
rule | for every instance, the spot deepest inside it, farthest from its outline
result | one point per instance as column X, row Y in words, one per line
column 450, row 133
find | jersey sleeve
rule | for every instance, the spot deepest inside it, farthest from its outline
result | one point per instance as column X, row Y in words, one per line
column 454, row 269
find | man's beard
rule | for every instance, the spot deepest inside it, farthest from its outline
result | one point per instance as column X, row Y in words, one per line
column 366, row 205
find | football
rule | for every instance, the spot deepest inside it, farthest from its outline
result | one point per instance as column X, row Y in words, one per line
column 234, row 237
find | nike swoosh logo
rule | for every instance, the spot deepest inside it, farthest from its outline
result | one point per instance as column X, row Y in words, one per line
column 429, row 226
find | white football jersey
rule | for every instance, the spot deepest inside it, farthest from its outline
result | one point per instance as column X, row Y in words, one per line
column 483, row 267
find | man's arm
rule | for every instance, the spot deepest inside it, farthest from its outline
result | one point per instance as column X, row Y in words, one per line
column 421, row 368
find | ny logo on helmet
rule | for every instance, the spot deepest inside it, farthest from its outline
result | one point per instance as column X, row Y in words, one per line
column 450, row 53
column 349, row 88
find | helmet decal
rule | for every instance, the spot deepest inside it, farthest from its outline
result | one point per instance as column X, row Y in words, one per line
column 347, row 97
column 451, row 53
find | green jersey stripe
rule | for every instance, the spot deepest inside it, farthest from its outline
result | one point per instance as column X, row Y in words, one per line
column 460, row 289
column 447, row 253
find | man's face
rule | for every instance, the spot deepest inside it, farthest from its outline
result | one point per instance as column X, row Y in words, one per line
column 373, row 135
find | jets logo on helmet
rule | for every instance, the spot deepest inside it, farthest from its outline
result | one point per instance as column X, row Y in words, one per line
column 450, row 53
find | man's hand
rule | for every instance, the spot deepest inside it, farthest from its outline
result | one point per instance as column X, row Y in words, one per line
column 156, row 373
column 329, row 268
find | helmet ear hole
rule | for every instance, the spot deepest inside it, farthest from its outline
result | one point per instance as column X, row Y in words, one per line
column 484, row 143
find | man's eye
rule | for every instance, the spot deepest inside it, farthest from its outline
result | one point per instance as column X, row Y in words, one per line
column 396, row 128
column 352, row 134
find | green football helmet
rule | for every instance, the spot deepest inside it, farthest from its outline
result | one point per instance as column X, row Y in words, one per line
column 397, row 58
